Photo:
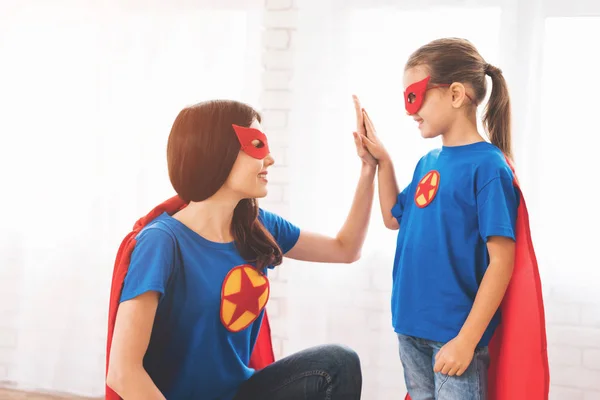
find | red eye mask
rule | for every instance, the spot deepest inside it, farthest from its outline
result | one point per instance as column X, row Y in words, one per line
column 414, row 96
column 246, row 136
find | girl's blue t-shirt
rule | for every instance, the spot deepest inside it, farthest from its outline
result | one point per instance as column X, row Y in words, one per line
column 459, row 197
column 210, row 309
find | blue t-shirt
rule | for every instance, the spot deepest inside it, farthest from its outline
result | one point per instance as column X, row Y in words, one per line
column 458, row 198
column 210, row 308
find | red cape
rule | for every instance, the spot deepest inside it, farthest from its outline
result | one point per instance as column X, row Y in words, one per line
column 518, row 356
column 262, row 354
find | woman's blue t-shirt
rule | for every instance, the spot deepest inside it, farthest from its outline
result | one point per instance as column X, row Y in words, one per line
column 210, row 309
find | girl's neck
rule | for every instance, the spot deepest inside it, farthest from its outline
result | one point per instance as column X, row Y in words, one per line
column 210, row 218
column 461, row 133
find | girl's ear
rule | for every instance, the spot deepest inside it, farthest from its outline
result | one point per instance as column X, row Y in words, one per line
column 459, row 94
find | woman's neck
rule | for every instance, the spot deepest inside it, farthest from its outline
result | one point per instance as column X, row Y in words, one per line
column 210, row 218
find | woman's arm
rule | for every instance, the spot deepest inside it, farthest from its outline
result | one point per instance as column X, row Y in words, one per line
column 347, row 245
column 133, row 326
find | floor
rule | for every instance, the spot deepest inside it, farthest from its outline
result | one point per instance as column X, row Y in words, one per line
column 7, row 394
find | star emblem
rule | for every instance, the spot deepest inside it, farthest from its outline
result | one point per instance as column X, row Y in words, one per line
column 244, row 294
column 427, row 189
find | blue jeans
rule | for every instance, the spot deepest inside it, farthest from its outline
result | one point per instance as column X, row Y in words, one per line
column 320, row 373
column 418, row 358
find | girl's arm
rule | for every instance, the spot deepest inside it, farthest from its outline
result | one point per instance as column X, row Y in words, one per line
column 492, row 289
column 456, row 356
column 133, row 326
column 388, row 193
column 388, row 186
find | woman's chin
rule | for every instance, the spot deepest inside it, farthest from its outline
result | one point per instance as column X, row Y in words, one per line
column 261, row 193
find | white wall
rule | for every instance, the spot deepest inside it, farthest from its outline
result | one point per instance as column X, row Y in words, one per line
column 277, row 60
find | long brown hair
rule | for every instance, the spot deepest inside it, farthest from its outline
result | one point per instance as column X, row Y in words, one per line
column 201, row 151
column 457, row 60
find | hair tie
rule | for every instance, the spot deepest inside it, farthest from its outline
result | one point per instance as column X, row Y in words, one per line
column 490, row 70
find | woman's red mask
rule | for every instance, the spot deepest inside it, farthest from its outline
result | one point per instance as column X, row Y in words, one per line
column 248, row 135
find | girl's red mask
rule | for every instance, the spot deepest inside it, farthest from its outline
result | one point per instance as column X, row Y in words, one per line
column 414, row 95
column 248, row 135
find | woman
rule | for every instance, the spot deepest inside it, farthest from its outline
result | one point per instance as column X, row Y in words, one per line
column 193, row 299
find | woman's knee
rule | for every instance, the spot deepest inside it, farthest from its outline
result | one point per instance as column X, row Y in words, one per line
column 342, row 356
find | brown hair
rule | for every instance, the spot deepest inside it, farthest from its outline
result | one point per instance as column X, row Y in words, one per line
column 201, row 151
column 457, row 60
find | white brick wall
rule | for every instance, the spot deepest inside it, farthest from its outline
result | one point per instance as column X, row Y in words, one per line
column 574, row 342
column 280, row 22
column 591, row 359
column 301, row 313
column 274, row 79
column 276, row 5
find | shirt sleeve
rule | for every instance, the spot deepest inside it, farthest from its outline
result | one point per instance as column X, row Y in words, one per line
column 285, row 233
column 398, row 208
column 151, row 264
column 497, row 204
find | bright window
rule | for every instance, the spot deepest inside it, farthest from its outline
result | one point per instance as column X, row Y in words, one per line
column 568, row 212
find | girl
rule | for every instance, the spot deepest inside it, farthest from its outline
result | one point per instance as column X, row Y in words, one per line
column 193, row 299
column 456, row 245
